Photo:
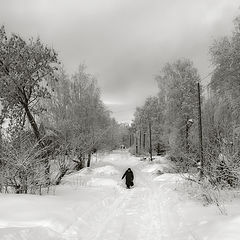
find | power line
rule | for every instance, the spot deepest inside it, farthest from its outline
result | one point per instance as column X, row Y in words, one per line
column 207, row 75
column 126, row 110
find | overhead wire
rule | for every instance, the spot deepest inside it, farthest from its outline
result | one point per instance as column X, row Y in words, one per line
column 130, row 109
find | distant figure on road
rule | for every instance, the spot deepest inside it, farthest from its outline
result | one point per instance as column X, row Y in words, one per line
column 129, row 177
column 122, row 147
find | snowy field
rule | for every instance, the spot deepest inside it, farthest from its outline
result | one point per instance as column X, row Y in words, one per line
column 94, row 204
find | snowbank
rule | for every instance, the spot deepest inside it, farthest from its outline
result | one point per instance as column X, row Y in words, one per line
column 96, row 182
column 157, row 166
column 151, row 168
column 32, row 211
column 120, row 159
column 228, row 229
column 84, row 176
column 33, row 233
column 222, row 228
column 169, row 177
column 105, row 170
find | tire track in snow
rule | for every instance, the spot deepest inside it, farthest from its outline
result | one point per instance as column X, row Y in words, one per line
column 128, row 219
column 92, row 222
column 150, row 211
column 138, row 218
column 115, row 209
column 156, row 227
column 165, row 207
column 166, row 216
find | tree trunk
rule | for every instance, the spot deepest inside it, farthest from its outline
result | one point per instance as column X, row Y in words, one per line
column 89, row 159
column 158, row 149
column 79, row 163
column 38, row 137
column 144, row 141
column 61, row 175
column 32, row 122
column 47, row 172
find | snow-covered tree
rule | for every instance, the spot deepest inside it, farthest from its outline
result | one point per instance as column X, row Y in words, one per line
column 25, row 67
column 178, row 90
column 78, row 114
column 225, row 81
column 148, row 126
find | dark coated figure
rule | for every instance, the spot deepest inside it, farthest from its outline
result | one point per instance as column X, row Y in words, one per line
column 129, row 177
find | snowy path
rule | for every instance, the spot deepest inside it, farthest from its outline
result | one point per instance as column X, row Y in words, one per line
column 147, row 212
column 94, row 204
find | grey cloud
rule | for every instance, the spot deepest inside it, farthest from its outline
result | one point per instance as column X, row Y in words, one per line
column 124, row 43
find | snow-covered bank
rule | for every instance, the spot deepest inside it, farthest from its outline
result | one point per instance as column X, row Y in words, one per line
column 94, row 204
column 33, row 216
column 201, row 222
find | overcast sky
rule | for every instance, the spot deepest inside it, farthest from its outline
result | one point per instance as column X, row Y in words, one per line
column 124, row 43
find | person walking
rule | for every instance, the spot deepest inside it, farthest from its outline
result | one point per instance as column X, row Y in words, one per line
column 129, row 177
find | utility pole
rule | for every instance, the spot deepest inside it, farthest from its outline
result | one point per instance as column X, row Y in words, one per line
column 136, row 144
column 200, row 132
column 187, row 133
column 189, row 123
column 1, row 123
column 140, row 139
column 89, row 159
column 150, row 140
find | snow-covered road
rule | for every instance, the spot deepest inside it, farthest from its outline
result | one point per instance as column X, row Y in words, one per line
column 94, row 204
column 149, row 211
